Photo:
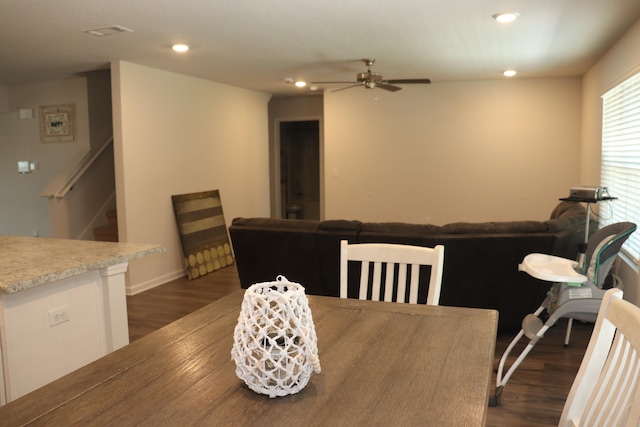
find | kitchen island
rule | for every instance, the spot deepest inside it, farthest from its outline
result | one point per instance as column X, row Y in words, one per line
column 62, row 306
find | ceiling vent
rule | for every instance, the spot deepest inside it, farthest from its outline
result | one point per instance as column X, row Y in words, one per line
column 108, row 31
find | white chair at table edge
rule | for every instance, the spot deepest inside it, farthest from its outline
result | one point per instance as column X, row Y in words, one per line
column 406, row 257
column 605, row 390
column 573, row 295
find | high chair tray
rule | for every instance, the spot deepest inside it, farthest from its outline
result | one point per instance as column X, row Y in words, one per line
column 551, row 268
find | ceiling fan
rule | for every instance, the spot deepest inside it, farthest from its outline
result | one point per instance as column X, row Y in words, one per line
column 372, row 79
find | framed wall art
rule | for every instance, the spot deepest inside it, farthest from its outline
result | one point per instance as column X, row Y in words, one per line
column 203, row 232
column 58, row 123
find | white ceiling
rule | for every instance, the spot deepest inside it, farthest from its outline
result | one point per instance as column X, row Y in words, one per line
column 256, row 44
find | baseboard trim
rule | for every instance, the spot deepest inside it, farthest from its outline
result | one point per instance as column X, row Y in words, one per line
column 157, row 281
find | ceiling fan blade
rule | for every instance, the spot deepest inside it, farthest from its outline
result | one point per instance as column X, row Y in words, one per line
column 348, row 87
column 332, row 83
column 409, row 81
column 388, row 87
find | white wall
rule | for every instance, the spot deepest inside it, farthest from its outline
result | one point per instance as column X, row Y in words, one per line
column 176, row 134
column 467, row 151
column 100, row 108
column 620, row 62
column 23, row 210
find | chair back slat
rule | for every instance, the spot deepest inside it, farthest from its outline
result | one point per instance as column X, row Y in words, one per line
column 402, row 280
column 364, row 280
column 415, row 276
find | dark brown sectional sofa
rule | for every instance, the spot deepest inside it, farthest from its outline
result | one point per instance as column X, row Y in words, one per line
column 481, row 259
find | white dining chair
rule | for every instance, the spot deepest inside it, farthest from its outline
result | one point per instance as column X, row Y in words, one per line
column 400, row 265
column 605, row 390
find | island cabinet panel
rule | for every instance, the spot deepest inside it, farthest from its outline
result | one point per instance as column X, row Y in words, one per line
column 49, row 331
column 62, row 306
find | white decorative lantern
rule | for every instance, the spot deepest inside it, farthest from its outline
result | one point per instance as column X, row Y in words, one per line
column 274, row 344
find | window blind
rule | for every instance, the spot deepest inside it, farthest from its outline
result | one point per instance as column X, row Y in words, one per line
column 620, row 169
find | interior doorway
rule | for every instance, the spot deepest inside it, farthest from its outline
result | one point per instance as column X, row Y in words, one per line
column 300, row 169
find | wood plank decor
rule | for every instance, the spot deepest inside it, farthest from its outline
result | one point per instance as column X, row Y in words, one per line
column 203, row 232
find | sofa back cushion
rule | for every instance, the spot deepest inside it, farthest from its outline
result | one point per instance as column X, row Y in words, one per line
column 276, row 223
column 567, row 223
column 494, row 227
column 399, row 228
column 330, row 233
column 566, row 209
column 265, row 248
column 481, row 268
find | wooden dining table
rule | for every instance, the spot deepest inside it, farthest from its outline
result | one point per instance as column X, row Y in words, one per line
column 382, row 364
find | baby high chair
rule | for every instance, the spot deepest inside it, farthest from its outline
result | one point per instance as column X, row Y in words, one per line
column 576, row 293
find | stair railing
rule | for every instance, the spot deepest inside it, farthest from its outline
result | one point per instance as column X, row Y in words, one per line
column 62, row 184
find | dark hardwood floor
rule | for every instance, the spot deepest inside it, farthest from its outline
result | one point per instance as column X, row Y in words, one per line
column 157, row 307
column 533, row 397
column 535, row 394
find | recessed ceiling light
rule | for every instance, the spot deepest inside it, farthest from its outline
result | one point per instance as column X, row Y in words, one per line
column 300, row 83
column 509, row 73
column 180, row 47
column 503, row 18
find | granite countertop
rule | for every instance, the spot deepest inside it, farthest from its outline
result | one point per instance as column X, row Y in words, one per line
column 28, row 262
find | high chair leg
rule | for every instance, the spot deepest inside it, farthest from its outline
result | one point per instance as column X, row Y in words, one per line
column 501, row 380
column 567, row 335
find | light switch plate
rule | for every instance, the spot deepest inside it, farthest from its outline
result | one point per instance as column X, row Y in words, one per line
column 23, row 167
